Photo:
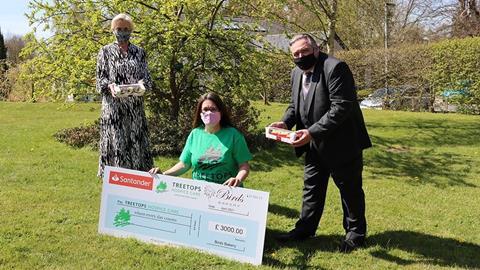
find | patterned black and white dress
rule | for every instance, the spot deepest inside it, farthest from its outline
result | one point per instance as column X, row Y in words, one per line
column 123, row 125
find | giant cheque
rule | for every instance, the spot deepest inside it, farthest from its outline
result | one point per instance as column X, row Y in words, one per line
column 162, row 209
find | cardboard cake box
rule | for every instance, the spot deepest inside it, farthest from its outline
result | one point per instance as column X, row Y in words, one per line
column 125, row 90
column 280, row 134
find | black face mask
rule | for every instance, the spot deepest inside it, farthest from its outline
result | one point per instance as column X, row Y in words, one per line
column 305, row 62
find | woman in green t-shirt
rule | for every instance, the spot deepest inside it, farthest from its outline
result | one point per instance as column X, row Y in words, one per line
column 215, row 150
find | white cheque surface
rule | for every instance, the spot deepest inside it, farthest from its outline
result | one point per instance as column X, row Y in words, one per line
column 219, row 219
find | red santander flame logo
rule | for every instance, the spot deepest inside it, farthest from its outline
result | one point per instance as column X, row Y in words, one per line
column 130, row 180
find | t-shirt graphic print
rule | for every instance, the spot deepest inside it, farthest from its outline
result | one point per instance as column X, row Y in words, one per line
column 215, row 157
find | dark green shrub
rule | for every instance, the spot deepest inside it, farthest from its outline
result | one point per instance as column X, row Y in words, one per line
column 82, row 136
column 167, row 137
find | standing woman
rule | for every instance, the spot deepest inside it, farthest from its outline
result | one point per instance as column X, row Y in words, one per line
column 215, row 150
column 123, row 125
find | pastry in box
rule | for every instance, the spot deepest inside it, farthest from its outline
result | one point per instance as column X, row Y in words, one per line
column 125, row 90
column 280, row 134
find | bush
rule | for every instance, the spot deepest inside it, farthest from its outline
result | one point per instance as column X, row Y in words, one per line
column 430, row 68
column 83, row 136
column 19, row 89
column 275, row 78
column 455, row 62
column 407, row 65
column 166, row 137
column 4, row 85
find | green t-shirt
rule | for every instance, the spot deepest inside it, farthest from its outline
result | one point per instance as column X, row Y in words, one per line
column 215, row 157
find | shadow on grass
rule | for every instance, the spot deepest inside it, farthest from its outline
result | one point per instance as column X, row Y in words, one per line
column 306, row 248
column 434, row 250
column 428, row 249
column 418, row 166
column 433, row 132
column 283, row 211
column 275, row 157
column 413, row 155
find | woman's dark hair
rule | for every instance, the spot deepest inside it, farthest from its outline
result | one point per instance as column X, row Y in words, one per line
column 225, row 114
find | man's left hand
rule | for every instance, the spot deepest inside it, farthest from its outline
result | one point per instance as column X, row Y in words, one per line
column 303, row 137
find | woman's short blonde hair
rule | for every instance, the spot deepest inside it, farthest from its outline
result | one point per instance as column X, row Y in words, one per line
column 121, row 17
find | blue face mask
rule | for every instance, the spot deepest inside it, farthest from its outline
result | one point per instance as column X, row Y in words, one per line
column 122, row 36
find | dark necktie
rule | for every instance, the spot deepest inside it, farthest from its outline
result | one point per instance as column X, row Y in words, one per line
column 307, row 80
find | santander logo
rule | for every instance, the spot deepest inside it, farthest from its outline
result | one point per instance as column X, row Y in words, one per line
column 130, row 180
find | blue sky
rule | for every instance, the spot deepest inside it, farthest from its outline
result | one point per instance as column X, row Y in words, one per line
column 13, row 20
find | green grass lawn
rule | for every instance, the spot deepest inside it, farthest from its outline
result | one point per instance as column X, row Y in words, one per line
column 421, row 179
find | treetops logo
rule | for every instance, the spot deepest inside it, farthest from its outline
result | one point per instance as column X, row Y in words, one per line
column 161, row 187
column 130, row 180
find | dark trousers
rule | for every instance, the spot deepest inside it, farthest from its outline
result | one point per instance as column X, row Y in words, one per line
column 348, row 179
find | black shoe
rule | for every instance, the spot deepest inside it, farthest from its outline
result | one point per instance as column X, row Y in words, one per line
column 349, row 245
column 293, row 235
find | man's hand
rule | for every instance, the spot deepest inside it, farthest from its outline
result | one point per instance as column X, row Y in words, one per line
column 278, row 125
column 303, row 137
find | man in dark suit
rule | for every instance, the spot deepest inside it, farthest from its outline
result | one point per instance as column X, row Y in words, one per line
column 332, row 134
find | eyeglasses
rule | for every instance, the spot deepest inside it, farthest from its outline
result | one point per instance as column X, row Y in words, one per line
column 210, row 109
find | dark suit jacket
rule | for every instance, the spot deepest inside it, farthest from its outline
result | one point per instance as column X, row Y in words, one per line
column 332, row 114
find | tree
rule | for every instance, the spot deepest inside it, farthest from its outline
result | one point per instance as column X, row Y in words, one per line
column 323, row 17
column 3, row 68
column 12, row 86
column 360, row 23
column 3, row 48
column 415, row 21
column 466, row 21
column 355, row 23
column 14, row 45
column 192, row 46
column 326, row 13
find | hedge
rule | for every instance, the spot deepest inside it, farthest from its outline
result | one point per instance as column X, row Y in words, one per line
column 449, row 65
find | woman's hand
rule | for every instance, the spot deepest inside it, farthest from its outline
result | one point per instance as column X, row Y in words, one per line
column 112, row 89
column 243, row 170
column 155, row 170
column 233, row 182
